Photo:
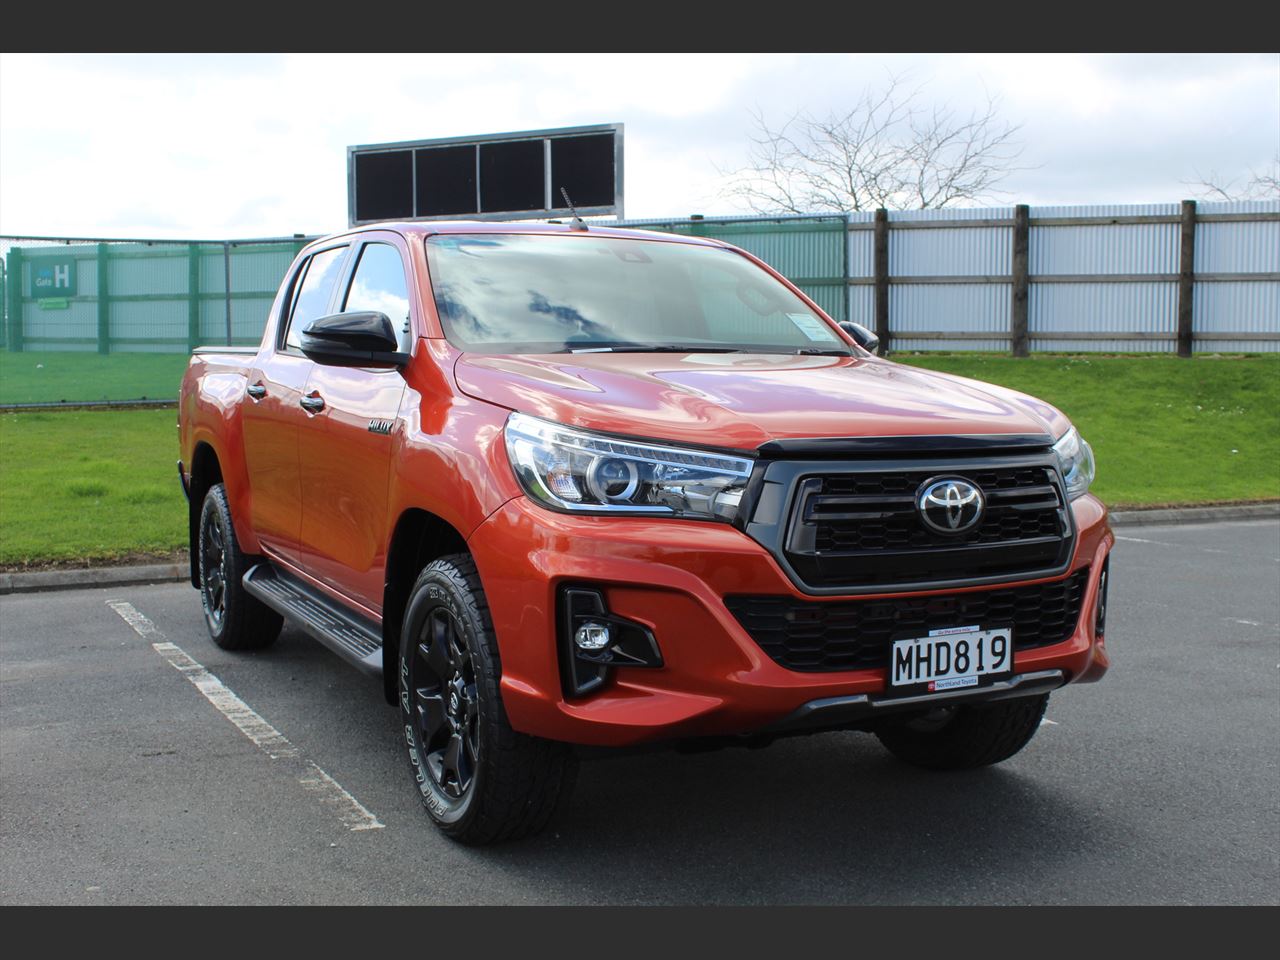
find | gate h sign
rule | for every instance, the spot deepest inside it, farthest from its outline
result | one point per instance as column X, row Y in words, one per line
column 53, row 278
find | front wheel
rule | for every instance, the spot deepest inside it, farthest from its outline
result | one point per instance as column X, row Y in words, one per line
column 480, row 780
column 961, row 738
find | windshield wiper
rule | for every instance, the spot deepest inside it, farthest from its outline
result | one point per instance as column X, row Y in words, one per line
column 819, row 352
column 654, row 348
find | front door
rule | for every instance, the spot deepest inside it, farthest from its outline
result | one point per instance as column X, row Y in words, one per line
column 345, row 449
column 272, row 412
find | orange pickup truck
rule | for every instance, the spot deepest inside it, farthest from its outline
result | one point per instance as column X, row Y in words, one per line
column 562, row 486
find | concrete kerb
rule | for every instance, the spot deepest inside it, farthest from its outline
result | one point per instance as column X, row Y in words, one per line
column 1244, row 511
column 131, row 575
column 140, row 574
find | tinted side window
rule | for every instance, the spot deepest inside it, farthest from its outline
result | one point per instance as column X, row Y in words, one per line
column 379, row 284
column 313, row 294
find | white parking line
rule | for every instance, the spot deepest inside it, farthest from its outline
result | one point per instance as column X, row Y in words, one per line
column 353, row 814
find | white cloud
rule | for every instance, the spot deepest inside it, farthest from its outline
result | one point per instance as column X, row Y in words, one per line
column 246, row 145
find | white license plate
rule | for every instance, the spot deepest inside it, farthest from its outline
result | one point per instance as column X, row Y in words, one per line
column 951, row 659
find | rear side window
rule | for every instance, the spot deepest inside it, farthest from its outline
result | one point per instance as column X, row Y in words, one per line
column 379, row 284
column 312, row 299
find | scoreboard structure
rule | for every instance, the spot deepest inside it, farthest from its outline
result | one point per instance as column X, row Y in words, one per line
column 500, row 176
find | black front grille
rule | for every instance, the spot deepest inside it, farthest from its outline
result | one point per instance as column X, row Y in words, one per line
column 830, row 635
column 862, row 528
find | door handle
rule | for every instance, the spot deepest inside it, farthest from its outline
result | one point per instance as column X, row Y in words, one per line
column 313, row 403
column 256, row 390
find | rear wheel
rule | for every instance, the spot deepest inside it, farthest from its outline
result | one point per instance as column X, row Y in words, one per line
column 961, row 738
column 480, row 780
column 236, row 620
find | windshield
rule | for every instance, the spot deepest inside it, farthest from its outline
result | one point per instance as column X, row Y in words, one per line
column 509, row 293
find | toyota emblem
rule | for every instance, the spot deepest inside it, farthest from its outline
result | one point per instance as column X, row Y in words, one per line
column 950, row 505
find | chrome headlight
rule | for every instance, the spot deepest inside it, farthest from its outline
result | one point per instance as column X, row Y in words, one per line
column 570, row 469
column 1075, row 457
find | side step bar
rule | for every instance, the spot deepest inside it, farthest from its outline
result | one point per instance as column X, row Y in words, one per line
column 354, row 638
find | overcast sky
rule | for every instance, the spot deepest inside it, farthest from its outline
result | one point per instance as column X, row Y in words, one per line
column 214, row 146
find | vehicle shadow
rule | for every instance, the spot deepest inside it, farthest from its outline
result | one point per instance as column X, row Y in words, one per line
column 825, row 818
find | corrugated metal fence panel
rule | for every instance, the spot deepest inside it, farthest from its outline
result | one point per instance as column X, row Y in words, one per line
column 1064, row 308
column 940, row 252
column 1104, row 248
column 862, row 305
column 1236, row 307
column 952, row 308
column 950, row 214
column 862, row 245
column 1108, row 210
column 1238, row 247
column 1215, row 207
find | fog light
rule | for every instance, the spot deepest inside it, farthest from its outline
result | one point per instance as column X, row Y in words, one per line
column 592, row 636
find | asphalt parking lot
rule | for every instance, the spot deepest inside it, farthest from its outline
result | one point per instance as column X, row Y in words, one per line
column 120, row 782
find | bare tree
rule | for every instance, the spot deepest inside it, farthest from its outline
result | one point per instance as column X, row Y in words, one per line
column 887, row 150
column 1256, row 186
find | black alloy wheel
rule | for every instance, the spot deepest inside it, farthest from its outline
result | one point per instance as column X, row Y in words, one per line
column 213, row 570
column 445, row 705
column 236, row 619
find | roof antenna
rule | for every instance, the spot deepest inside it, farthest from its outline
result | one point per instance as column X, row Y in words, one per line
column 578, row 222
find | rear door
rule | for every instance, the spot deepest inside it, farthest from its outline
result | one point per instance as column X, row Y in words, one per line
column 345, row 447
column 272, row 413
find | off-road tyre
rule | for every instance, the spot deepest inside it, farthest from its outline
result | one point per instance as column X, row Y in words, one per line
column 479, row 780
column 973, row 736
column 236, row 619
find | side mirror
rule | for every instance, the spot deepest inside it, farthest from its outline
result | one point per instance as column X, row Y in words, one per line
column 865, row 338
column 362, row 339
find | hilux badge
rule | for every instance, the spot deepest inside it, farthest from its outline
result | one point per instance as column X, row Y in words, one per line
column 950, row 505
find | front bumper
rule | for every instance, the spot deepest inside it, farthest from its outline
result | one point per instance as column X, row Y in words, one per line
column 672, row 576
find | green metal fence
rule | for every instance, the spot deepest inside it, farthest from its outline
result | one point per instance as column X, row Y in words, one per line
column 119, row 296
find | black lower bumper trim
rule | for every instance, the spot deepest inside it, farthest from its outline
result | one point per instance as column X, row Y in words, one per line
column 840, row 711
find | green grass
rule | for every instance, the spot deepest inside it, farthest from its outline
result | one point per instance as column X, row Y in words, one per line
column 89, row 485
column 99, row 485
column 53, row 376
column 1164, row 430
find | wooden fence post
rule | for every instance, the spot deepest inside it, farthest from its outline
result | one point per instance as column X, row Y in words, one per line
column 1186, row 277
column 881, row 268
column 1018, row 340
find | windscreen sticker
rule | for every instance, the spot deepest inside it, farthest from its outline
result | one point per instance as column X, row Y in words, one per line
column 812, row 327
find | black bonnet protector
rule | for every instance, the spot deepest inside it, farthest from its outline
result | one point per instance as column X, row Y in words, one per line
column 906, row 446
